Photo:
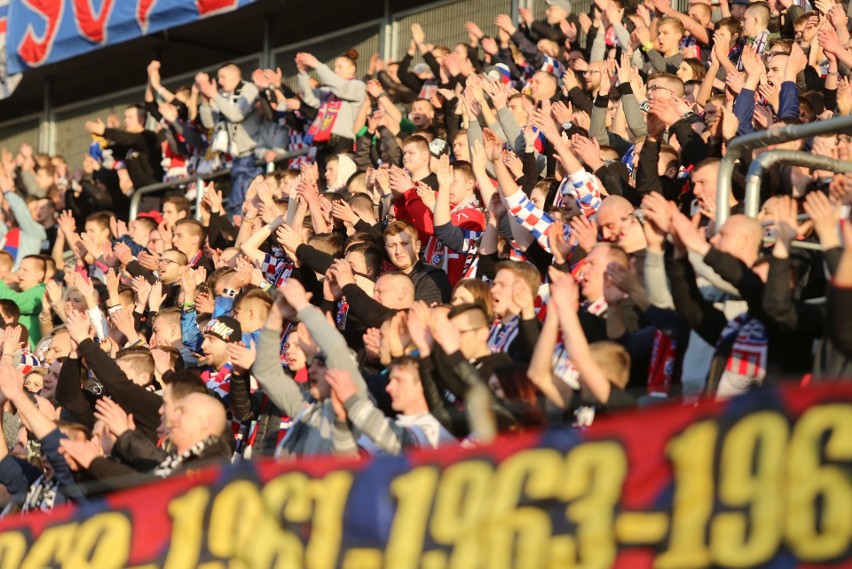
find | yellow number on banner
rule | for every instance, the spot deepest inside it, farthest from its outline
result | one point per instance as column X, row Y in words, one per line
column 750, row 477
column 102, row 541
column 691, row 454
column 286, row 500
column 460, row 507
column 533, row 475
column 13, row 547
column 593, row 476
column 413, row 493
column 51, row 548
column 814, row 486
column 329, row 496
column 233, row 519
column 187, row 513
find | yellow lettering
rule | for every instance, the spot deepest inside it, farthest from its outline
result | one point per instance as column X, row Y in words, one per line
column 51, row 548
column 102, row 541
column 413, row 493
column 187, row 513
column 520, row 536
column 13, row 547
column 593, row 476
column 286, row 500
column 816, row 485
column 750, row 477
column 234, row 517
column 460, row 507
column 691, row 455
column 329, row 495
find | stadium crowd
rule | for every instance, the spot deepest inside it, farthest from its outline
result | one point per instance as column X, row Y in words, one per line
column 517, row 232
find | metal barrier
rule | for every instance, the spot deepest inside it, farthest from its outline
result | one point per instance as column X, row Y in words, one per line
column 796, row 158
column 748, row 142
column 200, row 179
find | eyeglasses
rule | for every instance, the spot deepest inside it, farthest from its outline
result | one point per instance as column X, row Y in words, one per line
column 591, row 71
column 161, row 261
column 652, row 88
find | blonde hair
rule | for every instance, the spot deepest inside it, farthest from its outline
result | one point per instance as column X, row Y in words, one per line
column 613, row 360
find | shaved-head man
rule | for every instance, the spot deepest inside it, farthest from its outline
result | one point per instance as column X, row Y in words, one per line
column 619, row 224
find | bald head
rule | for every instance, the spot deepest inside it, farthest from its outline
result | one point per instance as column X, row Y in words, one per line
column 197, row 417
column 740, row 237
column 618, row 204
column 394, row 290
column 619, row 225
column 229, row 77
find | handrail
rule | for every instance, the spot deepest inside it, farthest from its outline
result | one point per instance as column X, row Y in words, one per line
column 199, row 179
column 795, row 157
column 745, row 143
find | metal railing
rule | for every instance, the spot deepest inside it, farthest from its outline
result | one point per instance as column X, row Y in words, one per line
column 200, row 179
column 796, row 158
column 739, row 146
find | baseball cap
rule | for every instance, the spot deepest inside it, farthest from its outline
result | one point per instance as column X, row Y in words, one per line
column 564, row 4
column 225, row 328
column 155, row 215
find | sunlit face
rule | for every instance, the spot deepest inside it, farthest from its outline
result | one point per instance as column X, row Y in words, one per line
column 775, row 69
column 386, row 292
column 502, row 288
column 59, row 347
column 460, row 148
column 215, row 351
column 228, row 78
column 593, row 271
column 343, row 68
column 42, row 210
column 421, row 114
column 698, row 15
column 185, row 241
column 163, row 334
column 555, row 14
column 592, row 76
column 296, row 358
column 20, row 449
column 461, row 296
column 415, row 158
column 155, row 242
column 331, row 173
column 668, row 38
column 34, row 383
column 139, row 232
column 404, row 389
column 169, row 267
column 96, row 232
column 542, row 86
column 704, row 185
column 402, row 250
column 50, row 379
column 519, row 110
column 684, row 71
column 30, row 273
column 658, row 90
column 461, row 189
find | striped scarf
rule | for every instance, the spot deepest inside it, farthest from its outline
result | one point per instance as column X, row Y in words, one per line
column 746, row 365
